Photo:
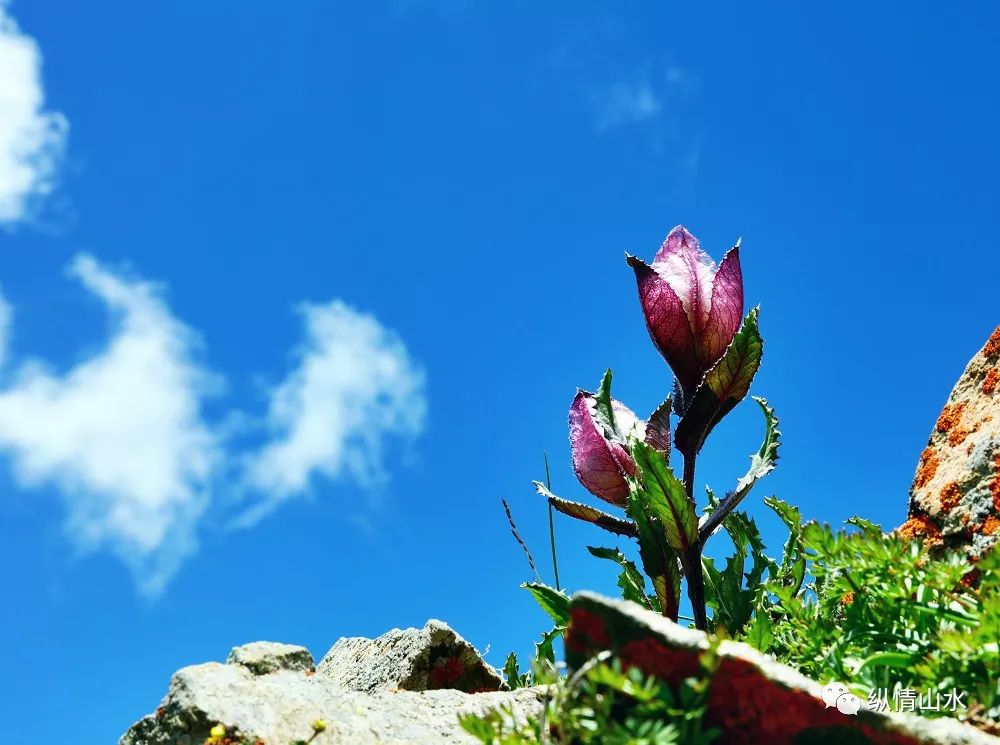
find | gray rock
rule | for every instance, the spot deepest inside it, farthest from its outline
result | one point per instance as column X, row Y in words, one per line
column 411, row 659
column 280, row 707
column 263, row 658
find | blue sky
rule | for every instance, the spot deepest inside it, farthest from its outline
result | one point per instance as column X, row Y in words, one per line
column 294, row 292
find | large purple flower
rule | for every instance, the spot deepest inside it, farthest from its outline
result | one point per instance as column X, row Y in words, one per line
column 693, row 308
column 601, row 460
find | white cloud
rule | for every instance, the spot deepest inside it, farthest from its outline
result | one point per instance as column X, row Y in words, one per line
column 626, row 103
column 32, row 139
column 353, row 385
column 123, row 438
column 121, row 433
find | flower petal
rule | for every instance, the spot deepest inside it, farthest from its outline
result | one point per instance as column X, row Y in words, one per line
column 689, row 271
column 668, row 324
column 599, row 465
column 726, row 309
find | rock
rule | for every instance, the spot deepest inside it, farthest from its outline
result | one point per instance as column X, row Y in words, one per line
column 955, row 496
column 262, row 658
column 752, row 698
column 279, row 707
column 411, row 659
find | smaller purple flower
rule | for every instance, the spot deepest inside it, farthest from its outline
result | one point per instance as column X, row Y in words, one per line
column 601, row 460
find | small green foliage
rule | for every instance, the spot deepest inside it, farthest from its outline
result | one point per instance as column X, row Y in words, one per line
column 879, row 612
column 554, row 602
column 602, row 704
column 631, row 581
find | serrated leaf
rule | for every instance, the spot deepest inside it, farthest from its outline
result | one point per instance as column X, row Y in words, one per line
column 761, row 463
column 766, row 458
column 604, row 414
column 760, row 633
column 666, row 497
column 554, row 602
column 792, row 570
column 631, row 581
column 866, row 526
column 732, row 592
column 658, row 428
column 724, row 386
column 588, row 514
column 544, row 650
column 514, row 677
column 659, row 561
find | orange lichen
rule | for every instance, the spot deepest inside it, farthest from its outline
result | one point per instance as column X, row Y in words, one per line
column 951, row 495
column 926, row 468
column 995, row 486
column 920, row 526
column 993, row 344
column 991, row 381
column 950, row 416
column 847, row 598
column 991, row 526
column 957, row 436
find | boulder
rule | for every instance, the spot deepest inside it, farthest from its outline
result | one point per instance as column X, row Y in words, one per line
column 270, row 692
column 411, row 659
column 262, row 658
column 955, row 496
column 752, row 698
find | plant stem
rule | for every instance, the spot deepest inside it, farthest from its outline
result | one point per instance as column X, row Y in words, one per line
column 692, row 561
column 552, row 528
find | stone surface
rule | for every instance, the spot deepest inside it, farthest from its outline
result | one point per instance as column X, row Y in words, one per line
column 955, row 496
column 755, row 700
column 409, row 660
column 262, row 658
column 280, row 706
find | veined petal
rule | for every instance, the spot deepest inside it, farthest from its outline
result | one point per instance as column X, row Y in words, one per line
column 726, row 309
column 689, row 271
column 668, row 324
column 599, row 464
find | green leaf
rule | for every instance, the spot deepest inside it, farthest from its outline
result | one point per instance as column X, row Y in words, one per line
column 887, row 659
column 760, row 632
column 792, row 570
column 659, row 561
column 631, row 582
column 658, row 428
column 544, row 651
column 514, row 677
column 554, row 602
column 764, row 460
column 666, row 497
column 588, row 514
column 732, row 593
column 723, row 386
column 604, row 415
column 867, row 526
column 761, row 463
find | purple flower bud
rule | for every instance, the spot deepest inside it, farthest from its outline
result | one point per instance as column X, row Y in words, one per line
column 692, row 307
column 602, row 461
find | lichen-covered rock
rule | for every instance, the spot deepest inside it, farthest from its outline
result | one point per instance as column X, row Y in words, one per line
column 955, row 497
column 279, row 707
column 263, row 658
column 409, row 660
column 752, row 698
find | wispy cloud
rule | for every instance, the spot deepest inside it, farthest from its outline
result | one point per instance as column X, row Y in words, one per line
column 123, row 435
column 32, row 139
column 353, row 386
column 641, row 97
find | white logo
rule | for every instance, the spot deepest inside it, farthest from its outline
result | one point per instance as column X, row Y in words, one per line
column 836, row 694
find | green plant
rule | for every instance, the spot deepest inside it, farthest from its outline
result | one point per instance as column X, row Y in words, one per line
column 882, row 616
column 602, row 704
